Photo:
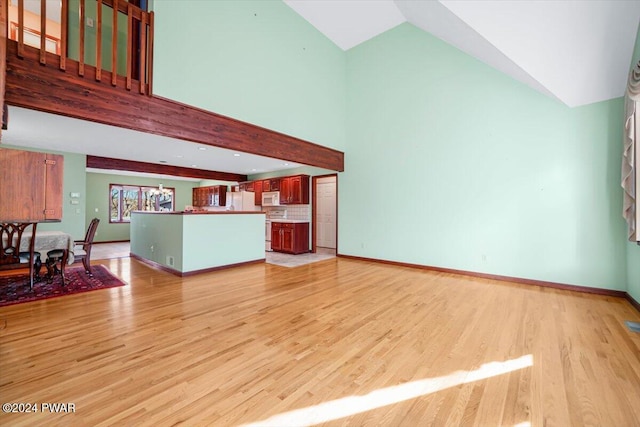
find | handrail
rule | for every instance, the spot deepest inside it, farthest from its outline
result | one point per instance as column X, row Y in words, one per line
column 138, row 49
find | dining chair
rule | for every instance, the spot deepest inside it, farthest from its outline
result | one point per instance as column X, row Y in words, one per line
column 82, row 249
column 11, row 238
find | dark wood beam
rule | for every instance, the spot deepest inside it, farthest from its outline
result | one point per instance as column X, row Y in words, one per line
column 129, row 165
column 33, row 86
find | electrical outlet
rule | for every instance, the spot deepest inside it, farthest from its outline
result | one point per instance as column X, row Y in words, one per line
column 90, row 22
column 151, row 248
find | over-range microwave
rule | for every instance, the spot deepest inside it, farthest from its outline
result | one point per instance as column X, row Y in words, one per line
column 271, row 198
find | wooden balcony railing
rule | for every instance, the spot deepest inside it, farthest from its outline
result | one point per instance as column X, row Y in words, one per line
column 125, row 29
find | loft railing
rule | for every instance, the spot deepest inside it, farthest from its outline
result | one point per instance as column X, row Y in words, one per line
column 109, row 36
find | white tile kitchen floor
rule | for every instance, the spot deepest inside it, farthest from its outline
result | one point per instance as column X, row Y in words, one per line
column 286, row 260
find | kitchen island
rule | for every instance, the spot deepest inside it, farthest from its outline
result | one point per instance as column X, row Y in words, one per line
column 186, row 243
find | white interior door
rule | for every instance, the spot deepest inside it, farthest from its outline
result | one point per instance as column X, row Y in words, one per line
column 326, row 212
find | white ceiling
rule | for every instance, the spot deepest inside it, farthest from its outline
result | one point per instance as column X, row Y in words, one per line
column 29, row 128
column 577, row 51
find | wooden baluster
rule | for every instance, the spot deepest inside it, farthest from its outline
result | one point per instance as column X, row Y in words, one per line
column 43, row 32
column 99, row 42
column 64, row 19
column 150, row 56
column 114, row 45
column 21, row 28
column 129, row 31
column 143, row 52
column 81, row 54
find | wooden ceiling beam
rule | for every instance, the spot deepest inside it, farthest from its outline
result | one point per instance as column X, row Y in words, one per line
column 129, row 165
column 44, row 88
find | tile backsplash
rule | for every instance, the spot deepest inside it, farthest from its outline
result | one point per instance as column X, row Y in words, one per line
column 299, row 212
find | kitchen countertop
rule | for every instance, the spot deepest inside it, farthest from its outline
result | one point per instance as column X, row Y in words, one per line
column 290, row 221
column 199, row 212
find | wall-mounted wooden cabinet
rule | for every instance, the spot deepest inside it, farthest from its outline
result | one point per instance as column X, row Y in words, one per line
column 214, row 195
column 291, row 238
column 246, row 186
column 257, row 191
column 272, row 184
column 294, row 190
column 31, row 186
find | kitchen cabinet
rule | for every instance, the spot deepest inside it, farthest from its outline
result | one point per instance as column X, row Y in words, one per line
column 214, row 195
column 294, row 190
column 272, row 184
column 288, row 237
column 247, row 186
column 198, row 196
column 218, row 195
column 257, row 191
column 31, row 188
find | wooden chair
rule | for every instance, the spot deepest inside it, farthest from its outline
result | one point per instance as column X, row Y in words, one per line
column 11, row 237
column 82, row 251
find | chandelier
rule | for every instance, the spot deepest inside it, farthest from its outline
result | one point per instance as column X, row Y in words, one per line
column 160, row 191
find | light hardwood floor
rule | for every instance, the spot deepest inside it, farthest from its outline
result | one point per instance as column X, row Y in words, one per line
column 337, row 342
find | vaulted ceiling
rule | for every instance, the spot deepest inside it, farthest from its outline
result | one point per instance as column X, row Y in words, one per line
column 577, row 51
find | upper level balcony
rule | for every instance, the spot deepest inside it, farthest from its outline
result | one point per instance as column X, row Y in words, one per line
column 93, row 60
column 110, row 41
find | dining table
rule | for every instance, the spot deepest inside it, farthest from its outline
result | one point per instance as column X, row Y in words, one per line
column 47, row 241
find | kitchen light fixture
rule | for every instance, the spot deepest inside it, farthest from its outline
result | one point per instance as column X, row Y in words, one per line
column 159, row 190
column 236, row 155
column 202, row 148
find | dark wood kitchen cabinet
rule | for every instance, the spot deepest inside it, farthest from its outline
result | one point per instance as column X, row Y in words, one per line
column 213, row 195
column 272, row 184
column 30, row 186
column 291, row 238
column 257, row 192
column 294, row 190
column 246, row 186
column 198, row 196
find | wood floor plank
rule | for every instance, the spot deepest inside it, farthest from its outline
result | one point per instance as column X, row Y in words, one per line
column 337, row 342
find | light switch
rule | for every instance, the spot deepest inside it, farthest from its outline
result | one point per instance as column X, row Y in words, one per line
column 96, row 209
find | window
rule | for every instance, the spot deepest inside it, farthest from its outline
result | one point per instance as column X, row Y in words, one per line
column 124, row 199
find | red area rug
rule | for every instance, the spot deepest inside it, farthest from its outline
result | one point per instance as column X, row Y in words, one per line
column 15, row 289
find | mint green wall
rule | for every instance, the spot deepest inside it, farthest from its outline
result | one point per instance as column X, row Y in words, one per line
column 154, row 237
column 209, row 182
column 198, row 242
column 73, row 182
column 257, row 61
column 218, row 240
column 451, row 163
column 633, row 250
column 98, row 198
column 91, row 34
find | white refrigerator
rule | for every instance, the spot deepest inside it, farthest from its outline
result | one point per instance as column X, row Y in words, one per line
column 241, row 201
